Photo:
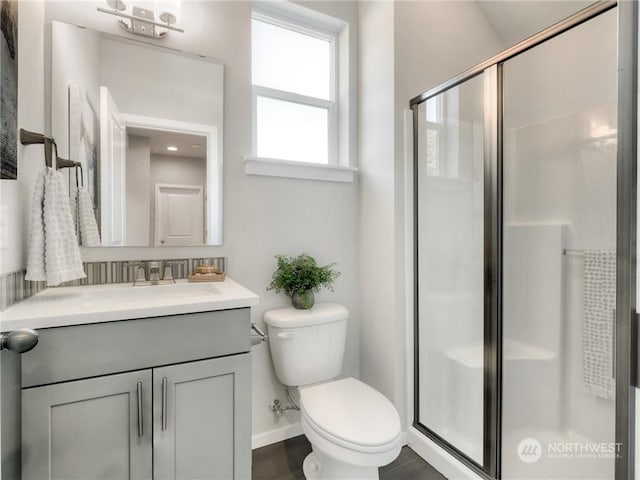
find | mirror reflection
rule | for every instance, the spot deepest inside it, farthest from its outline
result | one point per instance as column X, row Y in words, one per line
column 165, row 187
column 145, row 122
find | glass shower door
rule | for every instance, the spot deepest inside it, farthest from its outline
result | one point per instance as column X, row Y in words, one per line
column 450, row 267
column 559, row 258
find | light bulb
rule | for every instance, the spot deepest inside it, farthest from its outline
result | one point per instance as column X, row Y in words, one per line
column 118, row 5
column 168, row 11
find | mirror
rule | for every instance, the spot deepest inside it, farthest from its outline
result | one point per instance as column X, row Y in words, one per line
column 145, row 122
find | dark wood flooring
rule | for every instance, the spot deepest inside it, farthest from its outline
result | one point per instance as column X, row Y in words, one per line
column 283, row 461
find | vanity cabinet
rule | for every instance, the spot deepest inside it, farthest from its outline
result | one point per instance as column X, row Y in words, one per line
column 194, row 432
column 184, row 414
column 88, row 429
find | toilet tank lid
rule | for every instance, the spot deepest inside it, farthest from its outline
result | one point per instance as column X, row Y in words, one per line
column 293, row 318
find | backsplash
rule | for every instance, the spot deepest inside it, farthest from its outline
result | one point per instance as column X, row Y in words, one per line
column 14, row 288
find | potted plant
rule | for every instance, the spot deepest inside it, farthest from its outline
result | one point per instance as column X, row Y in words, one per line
column 299, row 277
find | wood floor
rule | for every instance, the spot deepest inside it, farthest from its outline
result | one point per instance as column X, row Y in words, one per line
column 283, row 461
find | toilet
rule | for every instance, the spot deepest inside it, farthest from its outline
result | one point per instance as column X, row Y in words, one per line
column 352, row 428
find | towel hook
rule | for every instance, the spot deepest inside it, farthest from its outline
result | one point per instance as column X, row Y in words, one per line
column 50, row 147
column 33, row 138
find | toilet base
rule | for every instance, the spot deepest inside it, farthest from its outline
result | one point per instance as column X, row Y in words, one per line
column 319, row 466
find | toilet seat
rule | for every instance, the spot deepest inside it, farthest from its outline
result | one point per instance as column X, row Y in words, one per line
column 351, row 414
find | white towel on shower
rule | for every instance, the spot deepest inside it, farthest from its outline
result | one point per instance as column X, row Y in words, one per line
column 599, row 314
column 89, row 235
column 54, row 255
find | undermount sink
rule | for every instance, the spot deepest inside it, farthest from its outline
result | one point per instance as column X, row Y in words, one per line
column 126, row 292
column 63, row 306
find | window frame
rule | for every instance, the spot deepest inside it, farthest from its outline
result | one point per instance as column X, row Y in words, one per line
column 439, row 128
column 330, row 105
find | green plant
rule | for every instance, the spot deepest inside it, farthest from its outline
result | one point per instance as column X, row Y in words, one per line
column 301, row 273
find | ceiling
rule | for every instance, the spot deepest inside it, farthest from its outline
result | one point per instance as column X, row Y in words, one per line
column 513, row 21
column 193, row 146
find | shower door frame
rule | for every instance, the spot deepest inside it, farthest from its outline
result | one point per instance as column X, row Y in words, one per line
column 626, row 340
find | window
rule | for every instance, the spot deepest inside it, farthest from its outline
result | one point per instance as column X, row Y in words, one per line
column 294, row 91
column 435, row 132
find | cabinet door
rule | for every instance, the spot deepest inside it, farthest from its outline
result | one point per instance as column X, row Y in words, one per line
column 202, row 420
column 89, row 429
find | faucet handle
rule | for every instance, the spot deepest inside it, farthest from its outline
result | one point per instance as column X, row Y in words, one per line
column 140, row 271
column 168, row 269
column 135, row 264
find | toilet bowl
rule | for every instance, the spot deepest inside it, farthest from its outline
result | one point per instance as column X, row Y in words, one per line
column 353, row 429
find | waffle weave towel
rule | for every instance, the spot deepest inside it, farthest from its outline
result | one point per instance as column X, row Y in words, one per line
column 54, row 255
column 599, row 314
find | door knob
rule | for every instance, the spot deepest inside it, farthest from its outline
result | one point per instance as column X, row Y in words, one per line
column 19, row 341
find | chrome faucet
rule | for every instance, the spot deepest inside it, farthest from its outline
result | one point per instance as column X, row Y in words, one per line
column 140, row 277
column 154, row 268
column 154, row 272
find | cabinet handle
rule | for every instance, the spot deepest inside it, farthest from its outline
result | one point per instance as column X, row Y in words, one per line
column 164, row 403
column 139, row 391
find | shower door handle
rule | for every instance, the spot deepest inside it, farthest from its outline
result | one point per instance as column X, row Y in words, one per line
column 613, row 345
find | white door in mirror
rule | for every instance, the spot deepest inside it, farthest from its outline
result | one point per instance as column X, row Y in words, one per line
column 113, row 156
column 179, row 218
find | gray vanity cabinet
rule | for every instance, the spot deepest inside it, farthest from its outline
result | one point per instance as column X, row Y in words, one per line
column 88, row 429
column 181, row 410
column 197, row 408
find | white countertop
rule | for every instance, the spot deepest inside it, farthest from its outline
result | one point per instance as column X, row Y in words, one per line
column 65, row 306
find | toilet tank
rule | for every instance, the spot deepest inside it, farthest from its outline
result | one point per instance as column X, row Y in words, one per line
column 307, row 346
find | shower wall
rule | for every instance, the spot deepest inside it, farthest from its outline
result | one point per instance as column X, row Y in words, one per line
column 559, row 193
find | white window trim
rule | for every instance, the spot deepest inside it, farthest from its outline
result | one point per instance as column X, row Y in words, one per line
column 333, row 170
column 271, row 167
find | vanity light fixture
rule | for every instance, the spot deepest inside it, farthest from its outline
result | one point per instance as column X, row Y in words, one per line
column 172, row 148
column 151, row 19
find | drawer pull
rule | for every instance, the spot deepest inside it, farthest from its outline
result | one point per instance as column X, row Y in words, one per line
column 139, row 392
column 164, row 403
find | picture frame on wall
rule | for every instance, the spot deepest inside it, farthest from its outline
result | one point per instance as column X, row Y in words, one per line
column 8, row 89
column 83, row 138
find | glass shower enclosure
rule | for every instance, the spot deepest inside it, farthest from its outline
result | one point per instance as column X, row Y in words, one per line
column 519, row 228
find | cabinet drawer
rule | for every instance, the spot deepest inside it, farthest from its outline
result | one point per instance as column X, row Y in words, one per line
column 68, row 353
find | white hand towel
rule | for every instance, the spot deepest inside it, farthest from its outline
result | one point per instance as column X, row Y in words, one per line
column 53, row 238
column 89, row 234
column 35, row 258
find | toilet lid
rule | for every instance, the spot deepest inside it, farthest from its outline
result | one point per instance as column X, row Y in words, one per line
column 351, row 411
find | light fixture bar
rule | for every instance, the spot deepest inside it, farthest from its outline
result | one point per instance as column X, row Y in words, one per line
column 133, row 17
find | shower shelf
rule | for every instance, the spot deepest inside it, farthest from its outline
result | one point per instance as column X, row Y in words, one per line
column 472, row 357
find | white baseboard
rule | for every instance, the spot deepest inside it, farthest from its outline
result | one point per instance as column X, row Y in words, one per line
column 275, row 436
column 439, row 458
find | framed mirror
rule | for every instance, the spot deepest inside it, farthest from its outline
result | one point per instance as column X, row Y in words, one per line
column 145, row 122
